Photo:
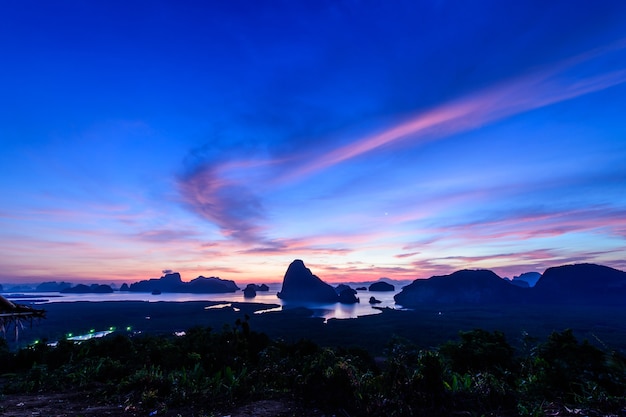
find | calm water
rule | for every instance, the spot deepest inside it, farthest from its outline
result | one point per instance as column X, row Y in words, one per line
column 327, row 311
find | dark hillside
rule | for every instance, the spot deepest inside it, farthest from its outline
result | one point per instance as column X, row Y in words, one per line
column 581, row 284
column 461, row 287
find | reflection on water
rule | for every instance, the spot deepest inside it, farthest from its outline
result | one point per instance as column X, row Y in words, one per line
column 82, row 337
column 333, row 310
column 327, row 311
column 90, row 335
column 269, row 310
column 220, row 306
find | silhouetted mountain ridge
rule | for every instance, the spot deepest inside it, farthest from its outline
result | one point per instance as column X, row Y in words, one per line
column 172, row 282
column 52, row 286
column 461, row 287
column 527, row 279
column 88, row 289
column 581, row 284
column 568, row 284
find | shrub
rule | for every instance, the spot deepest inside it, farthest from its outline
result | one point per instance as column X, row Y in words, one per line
column 479, row 351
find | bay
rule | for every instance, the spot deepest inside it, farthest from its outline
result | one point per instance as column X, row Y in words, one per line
column 324, row 310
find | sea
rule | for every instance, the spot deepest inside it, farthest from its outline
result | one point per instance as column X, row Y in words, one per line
column 326, row 311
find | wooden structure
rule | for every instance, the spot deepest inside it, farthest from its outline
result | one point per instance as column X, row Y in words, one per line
column 16, row 315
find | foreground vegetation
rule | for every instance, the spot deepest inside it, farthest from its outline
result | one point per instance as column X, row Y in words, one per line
column 480, row 373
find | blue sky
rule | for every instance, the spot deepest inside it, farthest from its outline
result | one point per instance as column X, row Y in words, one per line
column 368, row 138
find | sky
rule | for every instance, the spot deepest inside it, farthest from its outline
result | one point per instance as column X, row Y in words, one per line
column 398, row 139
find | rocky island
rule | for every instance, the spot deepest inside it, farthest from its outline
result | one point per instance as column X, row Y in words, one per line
column 299, row 284
column 172, row 282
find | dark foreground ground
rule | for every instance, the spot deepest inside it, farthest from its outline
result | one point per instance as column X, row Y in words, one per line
column 86, row 404
column 427, row 327
column 603, row 326
column 83, row 405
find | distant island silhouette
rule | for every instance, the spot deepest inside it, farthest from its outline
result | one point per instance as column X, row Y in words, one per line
column 251, row 290
column 86, row 289
column 461, row 287
column 53, row 286
column 172, row 282
column 581, row 284
column 569, row 284
column 575, row 284
column 382, row 286
column 526, row 280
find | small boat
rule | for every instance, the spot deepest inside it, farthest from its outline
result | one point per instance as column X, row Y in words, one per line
column 156, row 292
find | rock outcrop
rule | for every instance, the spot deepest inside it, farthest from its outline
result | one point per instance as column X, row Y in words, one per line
column 167, row 283
column 348, row 296
column 342, row 287
column 249, row 291
column 299, row 284
column 211, row 285
column 581, row 284
column 381, row 286
column 258, row 288
column 374, row 300
column 172, row 282
column 461, row 287
column 87, row 289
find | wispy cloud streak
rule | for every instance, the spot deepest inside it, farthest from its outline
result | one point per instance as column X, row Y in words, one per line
column 524, row 224
column 541, row 224
column 227, row 203
column 538, row 89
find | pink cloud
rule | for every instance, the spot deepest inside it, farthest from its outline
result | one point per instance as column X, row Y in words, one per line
column 515, row 96
column 407, row 255
column 225, row 202
column 281, row 250
column 83, row 213
column 166, row 235
column 354, row 273
column 541, row 224
column 532, row 255
column 512, row 263
column 338, row 244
